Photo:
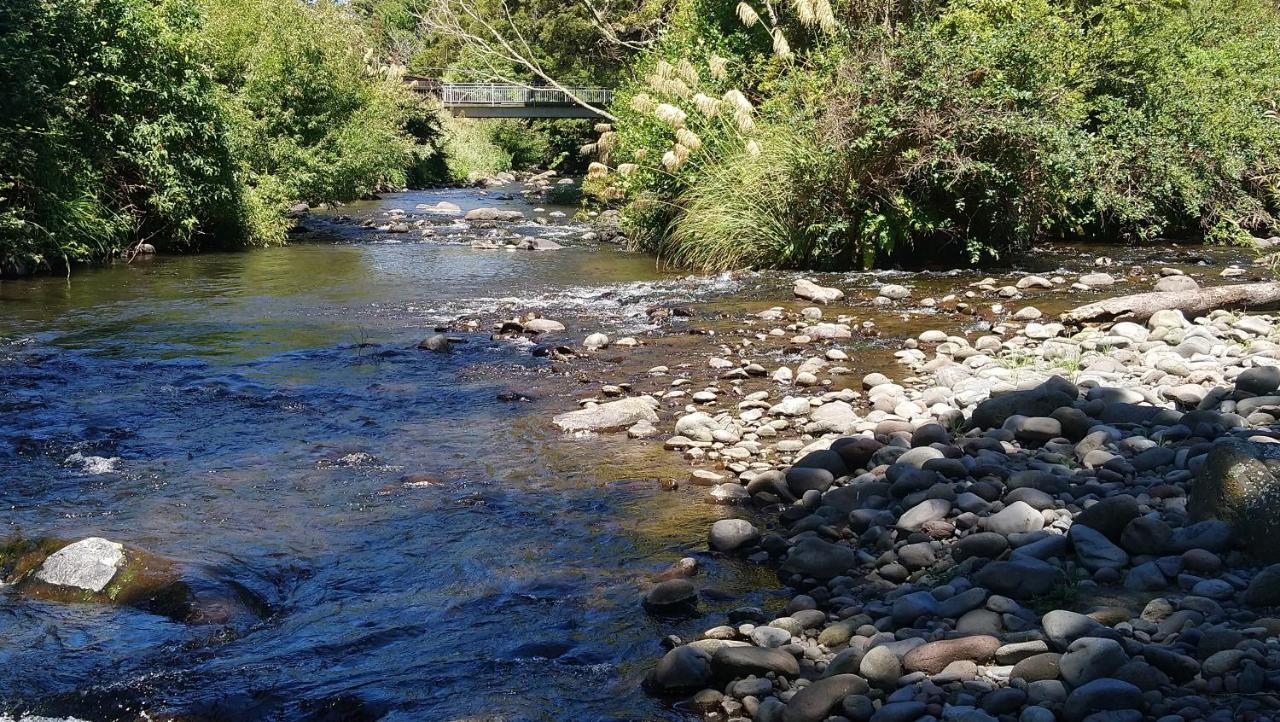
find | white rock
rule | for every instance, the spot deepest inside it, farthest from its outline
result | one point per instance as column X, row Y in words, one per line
column 87, row 564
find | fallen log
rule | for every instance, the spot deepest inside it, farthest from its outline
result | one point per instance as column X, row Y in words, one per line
column 1141, row 306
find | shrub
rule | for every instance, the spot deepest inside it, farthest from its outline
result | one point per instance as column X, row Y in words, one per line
column 313, row 118
column 965, row 129
column 110, row 134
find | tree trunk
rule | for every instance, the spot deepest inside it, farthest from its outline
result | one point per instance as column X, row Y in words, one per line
column 1141, row 306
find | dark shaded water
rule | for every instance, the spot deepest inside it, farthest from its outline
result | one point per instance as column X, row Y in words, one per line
column 255, row 411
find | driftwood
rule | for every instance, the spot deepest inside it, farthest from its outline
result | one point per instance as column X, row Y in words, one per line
column 1141, row 306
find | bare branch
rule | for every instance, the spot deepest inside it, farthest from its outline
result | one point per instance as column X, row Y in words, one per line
column 497, row 42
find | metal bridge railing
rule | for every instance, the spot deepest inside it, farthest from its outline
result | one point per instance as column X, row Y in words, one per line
column 502, row 94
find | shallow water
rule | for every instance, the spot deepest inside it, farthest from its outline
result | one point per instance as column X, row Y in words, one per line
column 195, row 407
column 254, row 413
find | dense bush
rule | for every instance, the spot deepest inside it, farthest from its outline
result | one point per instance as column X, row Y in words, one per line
column 187, row 125
column 313, row 118
column 968, row 129
column 110, row 134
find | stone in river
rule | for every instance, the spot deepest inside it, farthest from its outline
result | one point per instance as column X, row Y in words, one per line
column 88, row 564
column 610, row 416
column 671, row 594
column 729, row 534
column 438, row 343
column 493, row 214
column 683, row 668
column 810, row 291
column 543, row 325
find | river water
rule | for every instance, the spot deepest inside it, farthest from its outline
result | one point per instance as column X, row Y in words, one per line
column 254, row 413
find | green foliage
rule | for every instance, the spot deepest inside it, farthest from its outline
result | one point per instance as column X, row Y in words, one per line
column 313, row 119
column 186, row 126
column 469, row 150
column 109, row 134
column 968, row 129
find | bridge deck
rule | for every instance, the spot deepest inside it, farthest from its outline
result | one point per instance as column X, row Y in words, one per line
column 500, row 100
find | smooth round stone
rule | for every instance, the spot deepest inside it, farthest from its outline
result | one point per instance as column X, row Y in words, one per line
column 881, row 667
column 671, row 594
column 770, row 637
column 730, row 534
column 683, row 668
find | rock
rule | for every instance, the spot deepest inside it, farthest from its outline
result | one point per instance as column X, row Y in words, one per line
column 1177, row 283
column 815, row 702
column 611, row 416
column 1236, row 487
column 671, row 594
column 728, row 535
column 894, row 292
column 881, row 667
column 542, row 325
column 1033, row 282
column 908, row 711
column 684, row 667
column 1259, row 380
column 1094, row 550
column 933, row 657
column 1110, row 516
column 1101, row 695
column 595, row 341
column 438, row 343
column 1016, row 518
column 1091, row 658
column 493, row 214
column 1037, row 667
column 819, row 559
column 1097, row 280
column 88, row 564
column 1063, row 627
column 810, row 291
column 742, row 661
column 1040, row 401
column 801, row 479
column 910, row 607
column 1034, row 428
column 1264, row 589
column 1021, row 578
column 926, row 511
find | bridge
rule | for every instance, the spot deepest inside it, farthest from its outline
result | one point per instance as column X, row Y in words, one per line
column 504, row 100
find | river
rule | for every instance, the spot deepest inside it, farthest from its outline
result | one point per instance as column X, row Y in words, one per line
column 256, row 412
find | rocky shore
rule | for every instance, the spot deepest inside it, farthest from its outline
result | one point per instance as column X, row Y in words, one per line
column 1036, row 524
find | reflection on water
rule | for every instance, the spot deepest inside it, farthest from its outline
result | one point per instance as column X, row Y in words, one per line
column 195, row 407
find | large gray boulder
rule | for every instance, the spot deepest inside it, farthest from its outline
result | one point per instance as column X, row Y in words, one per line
column 1234, row 485
column 1042, row 400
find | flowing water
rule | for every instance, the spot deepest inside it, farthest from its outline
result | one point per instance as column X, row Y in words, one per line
column 255, row 412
